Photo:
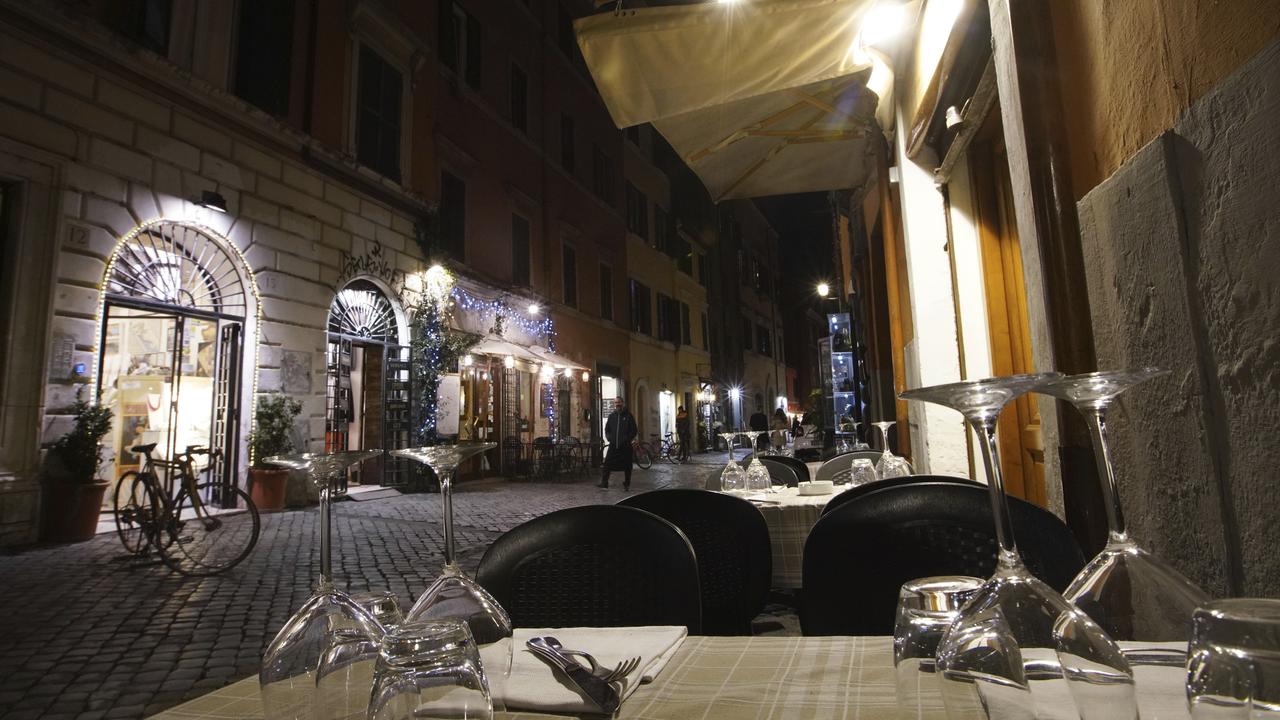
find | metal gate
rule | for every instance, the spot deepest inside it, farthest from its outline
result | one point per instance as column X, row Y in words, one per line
column 225, row 455
column 338, row 408
column 397, row 419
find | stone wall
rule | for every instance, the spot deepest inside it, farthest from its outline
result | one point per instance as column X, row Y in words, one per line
column 1182, row 245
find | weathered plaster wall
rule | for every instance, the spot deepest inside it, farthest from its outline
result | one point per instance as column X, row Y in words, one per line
column 1129, row 68
column 1182, row 246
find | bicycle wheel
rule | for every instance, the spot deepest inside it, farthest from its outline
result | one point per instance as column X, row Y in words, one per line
column 135, row 506
column 207, row 537
column 643, row 456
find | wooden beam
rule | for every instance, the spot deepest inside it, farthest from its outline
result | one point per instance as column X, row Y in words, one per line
column 893, row 296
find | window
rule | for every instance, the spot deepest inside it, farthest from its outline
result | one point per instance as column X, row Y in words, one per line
column 669, row 319
column 602, row 174
column 641, row 309
column 661, row 228
column 686, row 332
column 570, row 276
column 566, row 143
column 606, row 292
column 264, row 50
column 746, row 334
column 764, row 341
column 637, row 212
column 146, row 22
column 519, row 99
column 519, row 251
column 378, row 115
column 705, row 345
column 461, row 46
column 704, row 272
column 453, row 215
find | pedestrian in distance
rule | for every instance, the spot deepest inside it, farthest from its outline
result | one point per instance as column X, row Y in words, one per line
column 682, row 431
column 619, row 431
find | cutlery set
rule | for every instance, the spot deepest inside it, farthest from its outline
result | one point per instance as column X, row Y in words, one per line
column 597, row 685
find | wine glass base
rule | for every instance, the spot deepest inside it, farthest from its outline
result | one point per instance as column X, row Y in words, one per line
column 457, row 597
column 1018, row 649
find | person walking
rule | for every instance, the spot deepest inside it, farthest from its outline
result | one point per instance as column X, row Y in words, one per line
column 619, row 431
column 778, row 425
column 682, row 431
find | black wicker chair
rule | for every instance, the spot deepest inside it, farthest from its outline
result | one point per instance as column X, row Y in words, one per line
column 780, row 473
column 856, row 492
column 731, row 540
column 597, row 566
column 858, row 555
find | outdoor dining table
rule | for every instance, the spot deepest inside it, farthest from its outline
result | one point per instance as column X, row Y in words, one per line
column 767, row 678
column 790, row 516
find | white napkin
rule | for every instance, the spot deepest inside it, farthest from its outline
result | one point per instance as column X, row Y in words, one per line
column 533, row 685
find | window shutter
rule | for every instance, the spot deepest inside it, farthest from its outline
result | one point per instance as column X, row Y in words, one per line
column 448, row 41
column 475, row 52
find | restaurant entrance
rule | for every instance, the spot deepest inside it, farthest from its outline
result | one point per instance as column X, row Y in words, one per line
column 368, row 384
column 170, row 358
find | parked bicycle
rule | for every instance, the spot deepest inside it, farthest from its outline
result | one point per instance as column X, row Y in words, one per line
column 197, row 528
column 643, row 453
column 671, row 451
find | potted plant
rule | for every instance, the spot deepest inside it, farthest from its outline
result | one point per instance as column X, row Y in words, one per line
column 75, row 491
column 272, row 435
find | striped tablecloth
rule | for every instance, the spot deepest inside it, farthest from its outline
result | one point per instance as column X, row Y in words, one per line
column 790, row 517
column 709, row 678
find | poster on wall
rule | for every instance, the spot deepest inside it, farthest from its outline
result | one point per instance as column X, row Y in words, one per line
column 447, row 404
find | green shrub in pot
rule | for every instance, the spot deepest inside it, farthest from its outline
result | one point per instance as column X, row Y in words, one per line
column 272, row 434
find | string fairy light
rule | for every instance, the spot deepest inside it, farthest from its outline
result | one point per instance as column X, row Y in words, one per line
column 538, row 326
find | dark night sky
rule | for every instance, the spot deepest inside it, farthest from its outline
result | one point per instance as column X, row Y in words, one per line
column 803, row 222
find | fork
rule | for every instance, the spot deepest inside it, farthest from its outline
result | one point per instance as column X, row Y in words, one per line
column 616, row 675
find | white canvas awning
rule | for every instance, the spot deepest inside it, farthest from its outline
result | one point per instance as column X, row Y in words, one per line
column 494, row 346
column 556, row 360
column 759, row 97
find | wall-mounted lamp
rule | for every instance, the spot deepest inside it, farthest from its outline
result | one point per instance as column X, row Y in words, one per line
column 212, row 201
column 467, row 360
column 823, row 289
column 534, row 309
column 509, row 362
column 585, row 376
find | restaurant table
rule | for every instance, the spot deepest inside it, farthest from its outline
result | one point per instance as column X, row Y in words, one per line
column 790, row 516
column 710, row 678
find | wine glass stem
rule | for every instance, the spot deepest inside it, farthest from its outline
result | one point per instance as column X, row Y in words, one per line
column 986, row 430
column 326, row 559
column 446, row 498
column 1096, row 419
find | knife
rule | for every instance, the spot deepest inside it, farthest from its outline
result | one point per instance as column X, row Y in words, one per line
column 592, row 687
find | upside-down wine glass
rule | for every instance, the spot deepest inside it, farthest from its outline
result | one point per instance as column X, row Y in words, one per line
column 320, row 664
column 1132, row 594
column 890, row 465
column 454, row 596
column 1012, row 643
column 733, row 478
column 757, row 474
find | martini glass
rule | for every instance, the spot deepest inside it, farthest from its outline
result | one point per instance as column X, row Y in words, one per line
column 890, row 465
column 733, row 478
column 315, row 667
column 1010, row 645
column 454, row 596
column 1133, row 595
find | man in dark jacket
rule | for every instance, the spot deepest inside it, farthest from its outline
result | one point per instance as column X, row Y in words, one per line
column 619, row 431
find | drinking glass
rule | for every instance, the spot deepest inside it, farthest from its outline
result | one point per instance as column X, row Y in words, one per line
column 733, row 478
column 1132, row 594
column 430, row 670
column 861, row 472
column 757, row 474
column 1018, row 637
column 454, row 595
column 926, row 608
column 1233, row 668
column 318, row 665
column 890, row 465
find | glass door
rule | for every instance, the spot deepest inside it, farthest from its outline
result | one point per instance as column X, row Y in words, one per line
column 171, row 379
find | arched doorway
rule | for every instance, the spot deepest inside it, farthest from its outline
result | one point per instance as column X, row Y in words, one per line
column 368, row 380
column 179, row 306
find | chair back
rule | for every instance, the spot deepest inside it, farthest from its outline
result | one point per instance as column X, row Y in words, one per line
column 857, row 556
column 731, row 541
column 780, row 473
column 594, row 566
column 856, row 492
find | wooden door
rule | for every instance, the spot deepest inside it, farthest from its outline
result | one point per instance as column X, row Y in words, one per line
column 1021, row 443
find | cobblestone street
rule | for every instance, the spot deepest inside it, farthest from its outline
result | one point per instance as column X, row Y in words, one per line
column 91, row 634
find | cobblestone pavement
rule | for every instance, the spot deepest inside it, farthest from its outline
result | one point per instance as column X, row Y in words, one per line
column 89, row 634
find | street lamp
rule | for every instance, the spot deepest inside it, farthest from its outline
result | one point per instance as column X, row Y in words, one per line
column 823, row 290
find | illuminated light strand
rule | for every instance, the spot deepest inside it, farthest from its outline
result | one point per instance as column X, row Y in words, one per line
column 538, row 327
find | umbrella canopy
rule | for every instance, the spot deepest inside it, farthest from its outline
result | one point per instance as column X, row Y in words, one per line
column 759, row 98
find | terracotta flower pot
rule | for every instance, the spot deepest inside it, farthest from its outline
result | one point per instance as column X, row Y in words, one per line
column 71, row 510
column 267, row 488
